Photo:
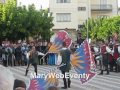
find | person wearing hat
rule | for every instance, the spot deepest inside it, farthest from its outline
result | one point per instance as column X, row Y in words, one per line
column 19, row 85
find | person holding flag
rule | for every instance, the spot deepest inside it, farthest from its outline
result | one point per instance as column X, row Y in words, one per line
column 65, row 65
column 33, row 59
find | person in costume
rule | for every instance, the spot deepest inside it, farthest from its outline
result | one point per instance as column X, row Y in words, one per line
column 65, row 65
column 104, row 62
column 33, row 59
column 116, row 55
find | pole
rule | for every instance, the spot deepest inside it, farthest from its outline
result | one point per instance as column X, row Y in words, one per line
column 87, row 20
column 117, row 6
column 87, row 30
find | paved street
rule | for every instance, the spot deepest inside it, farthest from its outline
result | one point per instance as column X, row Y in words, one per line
column 105, row 82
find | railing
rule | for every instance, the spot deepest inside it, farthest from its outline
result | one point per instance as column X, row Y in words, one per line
column 102, row 7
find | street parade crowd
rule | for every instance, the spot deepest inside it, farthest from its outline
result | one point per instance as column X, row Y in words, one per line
column 105, row 54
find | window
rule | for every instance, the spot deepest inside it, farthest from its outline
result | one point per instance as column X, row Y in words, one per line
column 102, row 16
column 63, row 17
column 103, row 4
column 81, row 8
column 63, row 1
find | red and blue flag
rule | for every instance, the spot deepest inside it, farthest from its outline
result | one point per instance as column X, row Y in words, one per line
column 58, row 39
column 83, row 61
column 43, row 83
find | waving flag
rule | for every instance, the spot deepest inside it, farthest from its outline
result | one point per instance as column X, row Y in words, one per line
column 37, row 84
column 43, row 83
column 58, row 39
column 82, row 61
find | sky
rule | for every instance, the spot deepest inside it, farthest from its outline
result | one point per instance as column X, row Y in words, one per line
column 37, row 3
column 44, row 3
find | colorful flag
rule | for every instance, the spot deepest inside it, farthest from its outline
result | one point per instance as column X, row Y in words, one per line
column 37, row 84
column 58, row 39
column 43, row 83
column 83, row 60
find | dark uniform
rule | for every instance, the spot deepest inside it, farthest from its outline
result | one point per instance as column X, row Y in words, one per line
column 18, row 55
column 65, row 53
column 111, row 59
column 33, row 59
column 105, row 61
column 116, row 56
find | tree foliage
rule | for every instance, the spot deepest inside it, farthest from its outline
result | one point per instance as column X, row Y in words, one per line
column 21, row 22
column 101, row 28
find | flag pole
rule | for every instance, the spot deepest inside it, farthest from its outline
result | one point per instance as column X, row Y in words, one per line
column 44, row 55
column 87, row 22
column 87, row 30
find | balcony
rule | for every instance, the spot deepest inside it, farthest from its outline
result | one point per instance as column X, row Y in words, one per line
column 102, row 7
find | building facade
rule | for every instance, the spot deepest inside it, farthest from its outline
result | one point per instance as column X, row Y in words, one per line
column 119, row 11
column 107, row 8
column 2, row 1
column 70, row 15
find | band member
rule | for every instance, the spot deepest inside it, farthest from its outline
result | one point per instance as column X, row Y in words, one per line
column 33, row 59
column 110, row 57
column 94, row 50
column 65, row 54
column 116, row 56
column 105, row 61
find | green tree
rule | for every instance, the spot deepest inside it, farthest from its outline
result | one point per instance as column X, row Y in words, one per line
column 21, row 22
column 102, row 28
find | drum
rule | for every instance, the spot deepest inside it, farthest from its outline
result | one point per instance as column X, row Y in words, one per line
column 96, row 49
column 108, row 50
column 118, row 61
column 119, row 49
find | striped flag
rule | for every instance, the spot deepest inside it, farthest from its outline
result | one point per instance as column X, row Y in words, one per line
column 43, row 83
column 58, row 39
column 83, row 61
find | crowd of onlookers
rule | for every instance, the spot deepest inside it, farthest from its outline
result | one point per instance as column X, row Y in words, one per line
column 15, row 54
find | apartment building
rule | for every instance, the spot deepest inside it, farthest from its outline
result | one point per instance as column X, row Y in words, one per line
column 2, row 1
column 100, row 8
column 119, row 11
column 70, row 15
